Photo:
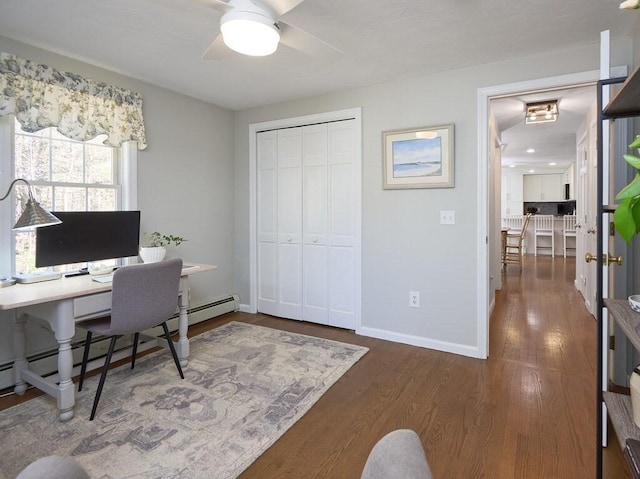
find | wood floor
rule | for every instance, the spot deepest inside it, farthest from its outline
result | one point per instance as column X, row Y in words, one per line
column 526, row 412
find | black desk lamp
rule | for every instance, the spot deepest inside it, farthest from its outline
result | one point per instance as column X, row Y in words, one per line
column 34, row 215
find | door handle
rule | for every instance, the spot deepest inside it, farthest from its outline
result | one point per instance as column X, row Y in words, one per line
column 607, row 258
column 591, row 230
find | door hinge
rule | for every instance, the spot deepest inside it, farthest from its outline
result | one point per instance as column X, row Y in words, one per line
column 612, row 343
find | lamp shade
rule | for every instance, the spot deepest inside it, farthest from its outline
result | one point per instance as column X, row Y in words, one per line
column 35, row 216
column 250, row 33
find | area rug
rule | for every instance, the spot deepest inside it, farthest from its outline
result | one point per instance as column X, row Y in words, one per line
column 244, row 386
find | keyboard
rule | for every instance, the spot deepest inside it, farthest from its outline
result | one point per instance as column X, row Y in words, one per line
column 107, row 278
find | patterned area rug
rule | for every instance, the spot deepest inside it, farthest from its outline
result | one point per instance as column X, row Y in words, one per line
column 244, row 387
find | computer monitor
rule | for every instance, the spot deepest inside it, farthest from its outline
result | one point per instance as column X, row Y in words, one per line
column 85, row 236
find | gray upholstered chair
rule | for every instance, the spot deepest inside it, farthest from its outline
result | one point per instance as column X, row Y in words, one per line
column 143, row 296
column 399, row 454
column 53, row 467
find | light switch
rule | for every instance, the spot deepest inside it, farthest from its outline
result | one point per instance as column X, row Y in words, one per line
column 447, row 217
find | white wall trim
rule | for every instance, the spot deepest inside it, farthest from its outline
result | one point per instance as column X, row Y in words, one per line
column 484, row 95
column 254, row 129
column 441, row 346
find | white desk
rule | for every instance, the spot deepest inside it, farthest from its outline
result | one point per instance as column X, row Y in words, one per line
column 62, row 303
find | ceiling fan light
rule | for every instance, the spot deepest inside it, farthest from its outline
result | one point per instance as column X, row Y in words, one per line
column 250, row 33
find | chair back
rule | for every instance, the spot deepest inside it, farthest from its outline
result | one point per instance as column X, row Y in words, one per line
column 544, row 222
column 514, row 222
column 525, row 224
column 569, row 223
column 144, row 295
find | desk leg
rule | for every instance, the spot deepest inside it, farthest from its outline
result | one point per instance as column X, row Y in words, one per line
column 66, row 391
column 182, row 347
column 64, row 331
column 20, row 345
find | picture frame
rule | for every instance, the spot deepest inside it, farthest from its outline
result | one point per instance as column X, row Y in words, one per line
column 418, row 157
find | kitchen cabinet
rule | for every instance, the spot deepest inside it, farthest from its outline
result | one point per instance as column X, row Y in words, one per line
column 512, row 194
column 539, row 188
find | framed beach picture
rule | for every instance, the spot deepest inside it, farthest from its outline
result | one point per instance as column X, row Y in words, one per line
column 418, row 158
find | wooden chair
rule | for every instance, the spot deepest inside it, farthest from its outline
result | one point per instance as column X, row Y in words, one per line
column 513, row 245
column 143, row 296
column 568, row 231
column 543, row 229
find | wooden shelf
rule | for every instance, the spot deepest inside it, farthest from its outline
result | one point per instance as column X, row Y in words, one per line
column 626, row 101
column 621, row 415
column 626, row 318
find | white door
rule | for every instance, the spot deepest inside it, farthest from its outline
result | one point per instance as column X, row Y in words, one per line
column 315, row 223
column 343, row 237
column 267, row 221
column 581, row 219
column 290, row 222
column 589, row 227
column 307, row 224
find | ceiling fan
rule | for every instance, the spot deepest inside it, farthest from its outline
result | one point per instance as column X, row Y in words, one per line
column 256, row 27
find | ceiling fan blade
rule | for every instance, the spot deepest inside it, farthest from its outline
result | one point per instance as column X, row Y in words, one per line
column 282, row 6
column 217, row 50
column 306, row 43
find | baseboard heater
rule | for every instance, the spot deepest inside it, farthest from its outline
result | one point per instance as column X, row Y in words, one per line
column 45, row 362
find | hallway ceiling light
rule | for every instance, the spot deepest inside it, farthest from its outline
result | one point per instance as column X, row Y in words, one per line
column 541, row 112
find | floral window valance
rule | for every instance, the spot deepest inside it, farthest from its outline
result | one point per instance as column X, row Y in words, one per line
column 40, row 97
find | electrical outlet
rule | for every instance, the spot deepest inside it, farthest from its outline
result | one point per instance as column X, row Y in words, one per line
column 447, row 217
column 414, row 299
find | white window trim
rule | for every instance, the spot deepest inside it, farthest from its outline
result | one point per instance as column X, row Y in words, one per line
column 127, row 169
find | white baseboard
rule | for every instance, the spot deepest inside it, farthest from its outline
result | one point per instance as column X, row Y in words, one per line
column 444, row 346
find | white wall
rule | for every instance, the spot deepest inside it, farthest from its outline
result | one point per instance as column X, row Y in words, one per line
column 185, row 179
column 404, row 247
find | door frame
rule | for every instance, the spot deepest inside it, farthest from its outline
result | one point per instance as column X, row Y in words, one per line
column 326, row 117
column 483, row 247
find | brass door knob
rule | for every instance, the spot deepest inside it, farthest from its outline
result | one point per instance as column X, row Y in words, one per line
column 609, row 258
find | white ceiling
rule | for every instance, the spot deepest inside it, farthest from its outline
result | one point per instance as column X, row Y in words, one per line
column 552, row 142
column 162, row 41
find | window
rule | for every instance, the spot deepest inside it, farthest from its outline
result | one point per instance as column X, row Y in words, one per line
column 66, row 175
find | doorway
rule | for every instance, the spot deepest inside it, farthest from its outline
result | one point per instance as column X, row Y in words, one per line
column 489, row 261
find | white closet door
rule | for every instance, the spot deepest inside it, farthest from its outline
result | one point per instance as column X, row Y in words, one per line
column 290, row 223
column 267, row 228
column 315, row 224
column 308, row 185
column 342, row 226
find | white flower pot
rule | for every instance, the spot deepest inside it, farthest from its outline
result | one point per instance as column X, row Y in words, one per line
column 152, row 254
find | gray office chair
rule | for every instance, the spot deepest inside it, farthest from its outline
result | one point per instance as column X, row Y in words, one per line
column 143, row 296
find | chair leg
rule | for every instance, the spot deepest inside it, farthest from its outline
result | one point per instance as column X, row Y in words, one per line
column 103, row 376
column 136, row 336
column 172, row 348
column 85, row 358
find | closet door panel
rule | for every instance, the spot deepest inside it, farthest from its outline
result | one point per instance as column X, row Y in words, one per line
column 342, row 279
column 342, row 224
column 267, row 228
column 315, row 255
column 289, row 202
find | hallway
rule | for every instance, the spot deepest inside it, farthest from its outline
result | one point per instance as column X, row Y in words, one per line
column 542, row 330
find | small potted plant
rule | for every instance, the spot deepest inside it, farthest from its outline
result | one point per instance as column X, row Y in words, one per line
column 154, row 246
